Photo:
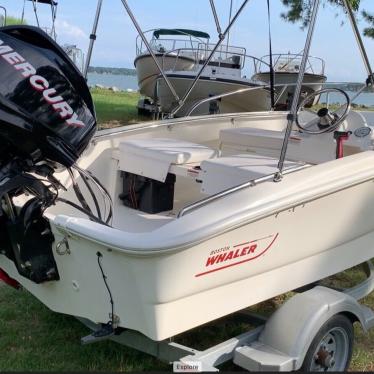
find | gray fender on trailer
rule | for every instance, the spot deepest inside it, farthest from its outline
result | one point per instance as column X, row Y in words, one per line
column 288, row 334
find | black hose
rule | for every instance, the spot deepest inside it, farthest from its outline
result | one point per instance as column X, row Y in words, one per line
column 76, row 206
column 78, row 193
column 85, row 180
column 101, row 187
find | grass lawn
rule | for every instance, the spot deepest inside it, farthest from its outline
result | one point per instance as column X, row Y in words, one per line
column 33, row 338
column 116, row 108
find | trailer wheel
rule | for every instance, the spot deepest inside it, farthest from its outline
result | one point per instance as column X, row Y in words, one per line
column 331, row 348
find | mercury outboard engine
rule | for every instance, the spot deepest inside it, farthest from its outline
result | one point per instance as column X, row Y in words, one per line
column 47, row 120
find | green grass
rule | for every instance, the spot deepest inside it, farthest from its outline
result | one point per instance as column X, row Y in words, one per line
column 116, row 108
column 14, row 21
column 33, row 338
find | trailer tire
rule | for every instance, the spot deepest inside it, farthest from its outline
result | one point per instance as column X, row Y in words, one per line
column 331, row 348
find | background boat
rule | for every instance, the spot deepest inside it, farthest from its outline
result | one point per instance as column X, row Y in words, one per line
column 286, row 70
column 171, row 54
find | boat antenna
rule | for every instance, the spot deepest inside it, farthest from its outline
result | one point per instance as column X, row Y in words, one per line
column 271, row 65
column 207, row 61
column 150, row 50
column 360, row 43
column 93, row 37
column 295, row 101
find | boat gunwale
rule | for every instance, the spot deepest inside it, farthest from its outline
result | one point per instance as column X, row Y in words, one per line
column 217, row 78
column 269, row 212
column 319, row 76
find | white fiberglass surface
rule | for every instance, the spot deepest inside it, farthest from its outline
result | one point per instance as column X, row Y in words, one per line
column 101, row 160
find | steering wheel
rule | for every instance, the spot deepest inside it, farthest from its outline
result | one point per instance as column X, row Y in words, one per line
column 326, row 120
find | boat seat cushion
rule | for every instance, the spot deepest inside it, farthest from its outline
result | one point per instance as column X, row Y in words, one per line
column 252, row 138
column 152, row 158
column 226, row 172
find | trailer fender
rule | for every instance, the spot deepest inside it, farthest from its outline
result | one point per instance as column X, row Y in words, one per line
column 292, row 328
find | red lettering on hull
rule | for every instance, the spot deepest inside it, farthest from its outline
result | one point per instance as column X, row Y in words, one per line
column 247, row 253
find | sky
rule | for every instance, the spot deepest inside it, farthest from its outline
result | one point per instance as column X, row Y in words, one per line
column 333, row 40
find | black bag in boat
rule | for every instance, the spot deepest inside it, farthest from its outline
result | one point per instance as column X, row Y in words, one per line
column 46, row 109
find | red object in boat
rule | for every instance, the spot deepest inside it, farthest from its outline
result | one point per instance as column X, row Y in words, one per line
column 341, row 137
column 8, row 280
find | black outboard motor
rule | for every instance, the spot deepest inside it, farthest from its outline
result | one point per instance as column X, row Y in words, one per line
column 47, row 119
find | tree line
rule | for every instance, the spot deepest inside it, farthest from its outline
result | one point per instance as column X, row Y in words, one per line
column 114, row 71
column 299, row 11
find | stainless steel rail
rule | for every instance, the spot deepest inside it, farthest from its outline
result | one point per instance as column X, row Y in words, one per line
column 36, row 12
column 93, row 37
column 226, row 94
column 300, row 79
column 168, row 124
column 149, row 48
column 215, row 15
column 195, row 51
column 176, row 53
column 312, row 61
column 258, row 87
column 230, row 191
column 360, row 43
column 221, row 39
column 5, row 14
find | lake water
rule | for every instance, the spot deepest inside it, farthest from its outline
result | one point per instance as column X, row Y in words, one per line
column 123, row 82
column 365, row 98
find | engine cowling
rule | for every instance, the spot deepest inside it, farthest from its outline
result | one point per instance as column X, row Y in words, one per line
column 47, row 119
column 46, row 109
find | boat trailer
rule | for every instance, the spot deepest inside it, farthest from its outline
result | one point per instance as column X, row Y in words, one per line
column 282, row 342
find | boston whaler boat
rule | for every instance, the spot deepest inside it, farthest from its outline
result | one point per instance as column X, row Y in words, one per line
column 172, row 48
column 286, row 71
column 148, row 231
column 224, row 73
column 176, row 74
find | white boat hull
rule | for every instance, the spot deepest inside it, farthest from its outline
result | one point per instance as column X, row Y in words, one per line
column 272, row 238
column 312, row 83
column 251, row 101
column 147, row 70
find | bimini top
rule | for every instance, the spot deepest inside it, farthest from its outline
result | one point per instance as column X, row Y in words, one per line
column 183, row 32
column 50, row 2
